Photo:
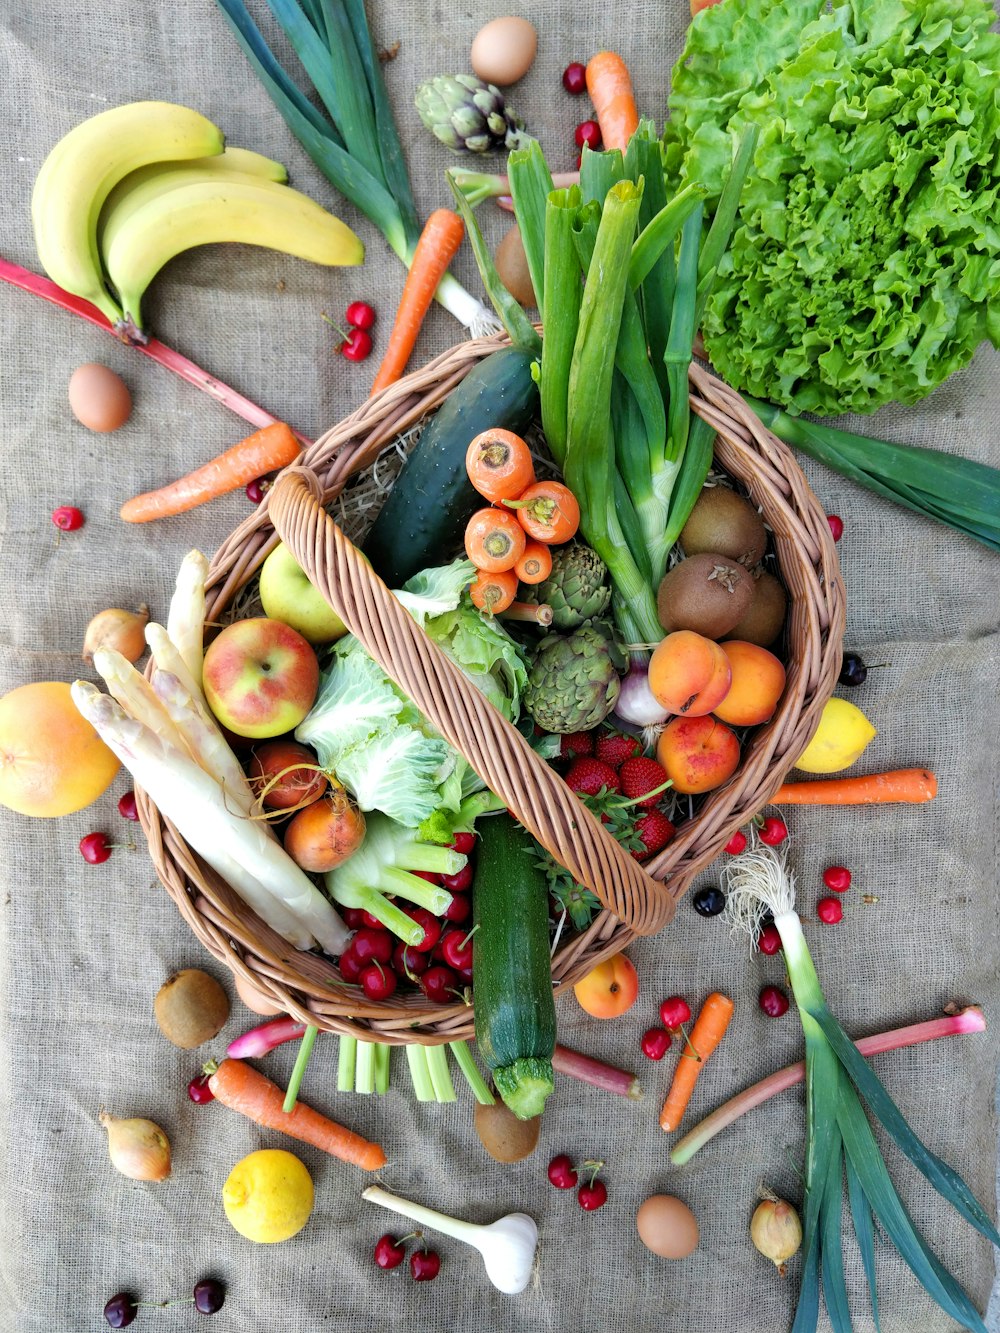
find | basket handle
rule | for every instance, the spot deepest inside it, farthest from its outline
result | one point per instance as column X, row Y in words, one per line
column 495, row 749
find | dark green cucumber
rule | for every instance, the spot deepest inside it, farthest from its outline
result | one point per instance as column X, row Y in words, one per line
column 424, row 516
column 512, row 1001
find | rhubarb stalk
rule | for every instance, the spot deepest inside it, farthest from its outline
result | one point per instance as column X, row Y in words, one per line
column 598, row 1075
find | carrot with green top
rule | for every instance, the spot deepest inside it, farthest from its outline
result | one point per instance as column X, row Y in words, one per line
column 610, row 89
column 908, row 786
column 709, row 1029
column 266, row 450
column 242, row 1088
column 438, row 244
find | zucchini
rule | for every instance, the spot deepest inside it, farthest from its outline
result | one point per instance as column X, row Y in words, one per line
column 424, row 516
column 515, row 1014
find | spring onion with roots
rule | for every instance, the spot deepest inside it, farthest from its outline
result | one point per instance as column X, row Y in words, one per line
column 839, row 1139
column 351, row 135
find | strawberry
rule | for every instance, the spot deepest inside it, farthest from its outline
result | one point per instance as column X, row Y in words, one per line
column 587, row 777
column 639, row 776
column 576, row 745
column 655, row 831
column 614, row 748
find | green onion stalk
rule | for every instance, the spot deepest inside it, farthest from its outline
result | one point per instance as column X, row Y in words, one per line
column 351, row 136
column 840, row 1144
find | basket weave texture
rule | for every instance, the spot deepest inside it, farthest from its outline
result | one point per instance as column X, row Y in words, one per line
column 636, row 900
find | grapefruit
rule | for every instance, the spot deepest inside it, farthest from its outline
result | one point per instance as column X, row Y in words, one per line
column 52, row 761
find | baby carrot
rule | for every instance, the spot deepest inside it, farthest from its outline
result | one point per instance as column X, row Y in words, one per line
column 499, row 465
column 548, row 512
column 610, row 90
column 266, row 450
column 909, row 786
column 709, row 1029
column 242, row 1088
column 494, row 540
column 535, row 565
column 493, row 593
column 439, row 241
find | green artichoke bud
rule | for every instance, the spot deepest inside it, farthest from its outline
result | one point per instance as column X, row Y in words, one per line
column 572, row 684
column 465, row 113
column 577, row 588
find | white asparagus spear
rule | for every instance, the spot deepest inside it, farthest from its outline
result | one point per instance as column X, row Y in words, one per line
column 186, row 616
column 132, row 690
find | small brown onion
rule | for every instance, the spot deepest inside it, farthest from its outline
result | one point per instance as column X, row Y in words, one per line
column 118, row 629
column 138, row 1148
column 776, row 1231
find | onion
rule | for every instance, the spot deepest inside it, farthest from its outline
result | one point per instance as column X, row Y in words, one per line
column 776, row 1231
column 118, row 629
column 138, row 1148
column 637, row 704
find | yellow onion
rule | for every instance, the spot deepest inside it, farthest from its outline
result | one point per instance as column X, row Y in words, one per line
column 138, row 1148
column 776, row 1231
column 118, row 629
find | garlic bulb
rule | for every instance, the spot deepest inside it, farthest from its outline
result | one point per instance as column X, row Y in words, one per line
column 138, row 1148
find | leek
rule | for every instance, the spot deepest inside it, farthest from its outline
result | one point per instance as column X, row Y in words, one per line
column 839, row 1081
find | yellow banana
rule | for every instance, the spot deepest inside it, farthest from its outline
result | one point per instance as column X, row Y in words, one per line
column 255, row 213
column 85, row 166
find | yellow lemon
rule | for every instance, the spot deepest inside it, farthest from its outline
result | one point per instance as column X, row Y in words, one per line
column 841, row 737
column 268, row 1196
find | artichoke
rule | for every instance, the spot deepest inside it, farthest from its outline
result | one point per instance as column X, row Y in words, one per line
column 572, row 684
column 576, row 589
column 465, row 113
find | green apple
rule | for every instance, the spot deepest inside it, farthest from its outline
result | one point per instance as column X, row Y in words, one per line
column 287, row 595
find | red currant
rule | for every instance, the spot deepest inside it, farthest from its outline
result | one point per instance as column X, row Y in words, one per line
column 360, row 315
column 837, row 878
column 68, row 518
column 561, row 1172
column 592, row 1196
column 736, row 844
column 773, row 1002
column 674, row 1011
column 836, row 526
column 425, row 1265
column 388, row 1252
column 95, row 848
column 829, row 910
column 588, row 134
column 574, row 78
column 199, row 1091
column 656, row 1043
column 773, row 831
column 357, row 346
column 769, row 941
column 127, row 807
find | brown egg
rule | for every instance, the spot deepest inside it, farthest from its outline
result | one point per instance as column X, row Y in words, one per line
column 98, row 398
column 667, row 1227
column 503, row 51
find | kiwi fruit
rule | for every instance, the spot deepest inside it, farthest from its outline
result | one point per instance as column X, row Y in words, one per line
column 764, row 620
column 707, row 593
column 723, row 522
column 190, row 1007
column 504, row 1137
column 512, row 268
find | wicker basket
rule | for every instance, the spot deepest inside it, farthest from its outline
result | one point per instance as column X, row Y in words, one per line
column 636, row 900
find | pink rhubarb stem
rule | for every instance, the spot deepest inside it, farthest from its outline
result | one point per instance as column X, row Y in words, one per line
column 596, row 1073
column 154, row 349
column 966, row 1020
column 258, row 1041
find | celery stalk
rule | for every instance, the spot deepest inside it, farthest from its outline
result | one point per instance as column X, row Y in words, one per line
column 382, row 1053
column 420, row 1074
column 347, row 1055
column 299, row 1068
column 437, row 1067
column 364, row 1072
column 463, row 1058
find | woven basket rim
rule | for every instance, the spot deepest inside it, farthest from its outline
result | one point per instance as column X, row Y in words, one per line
column 308, row 986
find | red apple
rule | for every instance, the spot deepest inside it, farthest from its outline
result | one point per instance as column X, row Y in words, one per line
column 260, row 677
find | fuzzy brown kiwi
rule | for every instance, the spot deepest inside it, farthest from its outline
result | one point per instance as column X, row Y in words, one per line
column 764, row 620
column 707, row 593
column 512, row 268
column 724, row 522
column 190, row 1008
column 504, row 1137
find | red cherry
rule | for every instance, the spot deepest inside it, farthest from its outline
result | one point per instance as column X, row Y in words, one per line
column 464, row 843
column 459, row 909
column 354, row 917
column 95, row 848
column 388, row 1252
column 837, row 878
column 769, row 941
column 67, row 518
column 460, row 881
column 350, row 967
column 588, row 134
column 736, row 844
column 360, row 315
column 674, row 1011
column 656, row 1043
column 425, row 1265
column 773, row 831
column 357, row 346
column 773, row 1002
column 199, row 1091
column 429, row 876
column 829, row 910
column 574, row 78
column 561, row 1172
column 592, row 1196
column 431, row 925
column 456, row 950
column 836, row 526
column 437, row 984
column 372, row 946
column 127, row 807
column 378, row 982
column 373, row 922
column 256, row 490
column 409, row 962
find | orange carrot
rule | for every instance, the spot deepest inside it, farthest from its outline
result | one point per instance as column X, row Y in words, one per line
column 242, row 1088
column 266, row 450
column 611, row 92
column 494, row 540
column 439, row 241
column 494, row 592
column 911, row 786
column 709, row 1029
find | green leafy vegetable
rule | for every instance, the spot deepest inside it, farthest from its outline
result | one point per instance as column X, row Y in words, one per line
column 865, row 262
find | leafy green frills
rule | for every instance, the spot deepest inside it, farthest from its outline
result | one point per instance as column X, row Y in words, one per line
column 865, row 265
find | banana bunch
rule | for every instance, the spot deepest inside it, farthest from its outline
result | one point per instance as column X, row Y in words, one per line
column 128, row 189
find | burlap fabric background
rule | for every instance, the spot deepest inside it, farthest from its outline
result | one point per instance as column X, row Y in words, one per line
column 83, row 949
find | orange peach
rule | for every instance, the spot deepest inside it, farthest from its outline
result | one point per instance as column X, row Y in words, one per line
column 758, row 680
column 689, row 674
column 698, row 753
column 608, row 989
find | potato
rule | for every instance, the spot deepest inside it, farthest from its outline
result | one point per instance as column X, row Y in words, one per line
column 504, row 1137
column 190, row 1008
column 512, row 268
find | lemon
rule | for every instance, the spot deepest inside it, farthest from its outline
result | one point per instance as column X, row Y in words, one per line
column 268, row 1196
column 841, row 737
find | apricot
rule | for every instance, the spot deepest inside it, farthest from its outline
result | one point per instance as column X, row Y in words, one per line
column 698, row 753
column 689, row 674
column 758, row 680
column 608, row 989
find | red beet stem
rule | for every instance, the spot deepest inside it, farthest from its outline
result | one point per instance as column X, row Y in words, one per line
column 596, row 1073
column 258, row 1041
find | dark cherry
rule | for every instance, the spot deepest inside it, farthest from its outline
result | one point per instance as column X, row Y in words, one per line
column 378, row 982
column 853, row 670
column 372, row 946
column 121, row 1309
column 209, row 1295
column 437, row 984
column 127, row 807
column 350, row 966
column 407, row 962
column 592, row 1196
column 574, row 78
column 456, row 950
column 561, row 1172
column 709, row 901
column 199, row 1091
column 431, row 927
